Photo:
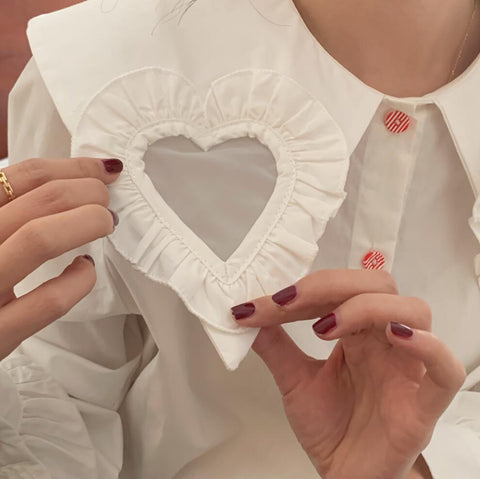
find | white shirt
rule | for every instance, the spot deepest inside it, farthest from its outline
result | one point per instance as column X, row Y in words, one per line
column 145, row 342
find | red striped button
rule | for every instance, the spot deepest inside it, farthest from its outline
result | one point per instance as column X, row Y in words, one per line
column 397, row 121
column 374, row 260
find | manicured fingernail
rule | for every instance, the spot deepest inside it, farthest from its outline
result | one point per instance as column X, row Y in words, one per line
column 243, row 311
column 285, row 295
column 326, row 324
column 113, row 165
column 116, row 220
column 89, row 258
column 401, row 330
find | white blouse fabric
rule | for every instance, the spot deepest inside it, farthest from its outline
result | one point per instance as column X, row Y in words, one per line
column 240, row 136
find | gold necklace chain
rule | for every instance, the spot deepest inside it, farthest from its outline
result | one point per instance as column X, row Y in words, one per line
column 460, row 53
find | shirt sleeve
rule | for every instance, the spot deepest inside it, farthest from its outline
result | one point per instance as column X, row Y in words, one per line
column 454, row 450
column 94, row 351
column 42, row 434
column 15, row 458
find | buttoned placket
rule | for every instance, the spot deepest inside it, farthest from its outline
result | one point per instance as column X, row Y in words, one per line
column 392, row 147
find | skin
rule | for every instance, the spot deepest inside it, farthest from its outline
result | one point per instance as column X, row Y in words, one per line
column 361, row 39
column 333, row 406
column 369, row 410
column 415, row 61
column 387, row 44
column 14, row 49
column 60, row 205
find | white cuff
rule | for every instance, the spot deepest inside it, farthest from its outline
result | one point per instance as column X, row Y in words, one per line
column 42, row 434
column 16, row 461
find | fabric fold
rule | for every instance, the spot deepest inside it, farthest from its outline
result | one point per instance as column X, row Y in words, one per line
column 44, row 431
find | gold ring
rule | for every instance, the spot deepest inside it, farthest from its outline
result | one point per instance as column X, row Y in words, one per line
column 7, row 186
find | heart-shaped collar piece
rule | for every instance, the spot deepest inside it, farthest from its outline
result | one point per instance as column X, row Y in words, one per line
column 139, row 108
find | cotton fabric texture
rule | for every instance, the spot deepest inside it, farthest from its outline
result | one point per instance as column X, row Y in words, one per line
column 294, row 170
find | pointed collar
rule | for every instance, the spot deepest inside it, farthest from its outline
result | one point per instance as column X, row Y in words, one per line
column 353, row 103
column 459, row 102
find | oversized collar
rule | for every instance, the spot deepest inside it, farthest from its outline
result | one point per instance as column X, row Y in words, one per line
column 113, row 81
column 458, row 101
column 80, row 65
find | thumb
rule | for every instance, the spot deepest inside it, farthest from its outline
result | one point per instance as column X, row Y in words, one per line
column 288, row 364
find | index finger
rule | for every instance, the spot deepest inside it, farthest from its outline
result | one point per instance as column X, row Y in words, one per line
column 31, row 174
column 313, row 296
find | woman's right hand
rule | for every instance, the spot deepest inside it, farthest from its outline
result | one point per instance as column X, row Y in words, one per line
column 60, row 205
column 370, row 408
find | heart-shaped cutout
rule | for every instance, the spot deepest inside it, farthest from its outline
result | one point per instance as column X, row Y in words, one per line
column 223, row 190
column 150, row 105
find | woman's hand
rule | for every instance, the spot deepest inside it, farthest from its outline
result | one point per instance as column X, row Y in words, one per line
column 60, row 205
column 369, row 410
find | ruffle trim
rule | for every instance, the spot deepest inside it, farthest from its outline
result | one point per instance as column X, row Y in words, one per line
column 139, row 108
column 474, row 223
column 47, row 433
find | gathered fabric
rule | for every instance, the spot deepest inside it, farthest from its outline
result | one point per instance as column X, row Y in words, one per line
column 134, row 111
column 143, row 357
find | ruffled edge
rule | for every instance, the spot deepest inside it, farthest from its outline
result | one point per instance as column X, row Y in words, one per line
column 143, row 106
column 49, row 434
column 474, row 223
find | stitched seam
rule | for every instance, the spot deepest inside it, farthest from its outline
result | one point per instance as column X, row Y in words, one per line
column 211, row 132
column 104, row 87
column 185, row 124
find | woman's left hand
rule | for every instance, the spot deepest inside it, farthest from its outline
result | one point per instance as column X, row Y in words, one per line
column 369, row 410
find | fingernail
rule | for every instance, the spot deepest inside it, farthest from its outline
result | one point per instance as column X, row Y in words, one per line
column 326, row 324
column 89, row 258
column 285, row 295
column 401, row 330
column 243, row 311
column 113, row 165
column 116, row 220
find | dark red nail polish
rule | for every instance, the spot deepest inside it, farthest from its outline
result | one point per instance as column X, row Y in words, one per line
column 243, row 311
column 113, row 165
column 326, row 324
column 285, row 295
column 116, row 220
column 401, row 330
column 89, row 258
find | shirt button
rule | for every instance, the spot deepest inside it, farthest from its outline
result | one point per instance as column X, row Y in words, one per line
column 397, row 121
column 374, row 260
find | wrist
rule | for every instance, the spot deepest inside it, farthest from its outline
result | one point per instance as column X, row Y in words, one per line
column 365, row 471
column 420, row 470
